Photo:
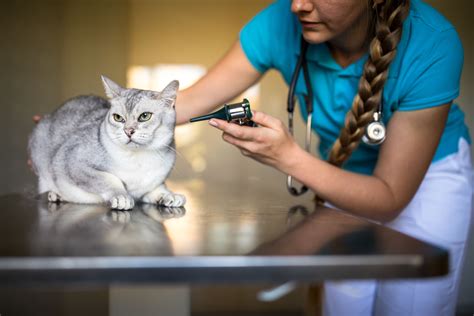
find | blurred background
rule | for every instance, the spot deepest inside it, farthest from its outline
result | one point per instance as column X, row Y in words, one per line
column 53, row 50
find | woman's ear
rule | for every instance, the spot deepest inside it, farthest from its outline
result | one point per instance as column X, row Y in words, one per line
column 112, row 89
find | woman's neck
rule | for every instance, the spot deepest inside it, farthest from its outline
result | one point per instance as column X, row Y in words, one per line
column 351, row 45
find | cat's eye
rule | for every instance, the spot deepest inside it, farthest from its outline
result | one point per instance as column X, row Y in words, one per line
column 145, row 116
column 118, row 118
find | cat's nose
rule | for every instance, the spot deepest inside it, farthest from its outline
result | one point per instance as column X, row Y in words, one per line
column 129, row 131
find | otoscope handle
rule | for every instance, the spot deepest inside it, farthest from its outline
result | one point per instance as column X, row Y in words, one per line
column 217, row 115
column 239, row 113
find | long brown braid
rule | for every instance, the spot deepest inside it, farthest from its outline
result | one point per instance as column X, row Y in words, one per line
column 386, row 25
column 387, row 28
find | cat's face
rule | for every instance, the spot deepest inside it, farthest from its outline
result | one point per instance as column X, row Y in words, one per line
column 140, row 118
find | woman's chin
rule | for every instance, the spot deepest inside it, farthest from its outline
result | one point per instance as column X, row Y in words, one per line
column 315, row 36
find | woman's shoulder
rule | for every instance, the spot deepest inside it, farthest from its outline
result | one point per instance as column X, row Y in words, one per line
column 276, row 17
column 428, row 38
column 270, row 36
column 429, row 31
column 429, row 59
column 425, row 18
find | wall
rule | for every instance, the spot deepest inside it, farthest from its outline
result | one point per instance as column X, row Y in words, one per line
column 53, row 50
column 29, row 80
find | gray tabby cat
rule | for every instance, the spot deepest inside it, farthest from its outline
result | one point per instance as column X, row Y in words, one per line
column 117, row 151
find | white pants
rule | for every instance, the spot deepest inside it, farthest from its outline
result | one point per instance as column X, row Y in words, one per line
column 440, row 213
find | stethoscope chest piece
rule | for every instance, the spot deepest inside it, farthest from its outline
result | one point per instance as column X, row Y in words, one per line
column 375, row 132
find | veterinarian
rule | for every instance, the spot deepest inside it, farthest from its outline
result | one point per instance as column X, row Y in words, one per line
column 390, row 65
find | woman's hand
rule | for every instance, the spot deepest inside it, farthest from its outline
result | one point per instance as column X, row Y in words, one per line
column 269, row 143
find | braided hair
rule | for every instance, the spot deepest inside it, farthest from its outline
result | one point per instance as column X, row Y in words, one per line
column 386, row 25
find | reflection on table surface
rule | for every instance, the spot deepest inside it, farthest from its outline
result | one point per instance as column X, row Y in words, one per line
column 215, row 222
column 73, row 229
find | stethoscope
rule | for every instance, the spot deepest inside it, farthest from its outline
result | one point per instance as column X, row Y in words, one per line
column 374, row 133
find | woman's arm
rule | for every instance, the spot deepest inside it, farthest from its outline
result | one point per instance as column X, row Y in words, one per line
column 226, row 80
column 412, row 139
column 404, row 158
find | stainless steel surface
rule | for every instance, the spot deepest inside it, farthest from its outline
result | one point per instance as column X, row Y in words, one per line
column 257, row 236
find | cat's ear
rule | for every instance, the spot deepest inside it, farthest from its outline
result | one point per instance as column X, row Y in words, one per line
column 112, row 90
column 169, row 92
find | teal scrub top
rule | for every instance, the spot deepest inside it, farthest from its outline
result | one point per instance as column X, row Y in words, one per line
column 425, row 73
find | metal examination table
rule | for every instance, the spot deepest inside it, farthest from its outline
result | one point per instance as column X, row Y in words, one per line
column 257, row 236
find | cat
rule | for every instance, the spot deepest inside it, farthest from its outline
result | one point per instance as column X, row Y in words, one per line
column 117, row 151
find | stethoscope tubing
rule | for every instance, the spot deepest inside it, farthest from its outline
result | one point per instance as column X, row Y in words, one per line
column 302, row 64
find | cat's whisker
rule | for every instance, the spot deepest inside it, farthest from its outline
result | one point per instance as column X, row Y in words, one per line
column 174, row 150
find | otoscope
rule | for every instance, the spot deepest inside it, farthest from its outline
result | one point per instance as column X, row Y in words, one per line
column 238, row 113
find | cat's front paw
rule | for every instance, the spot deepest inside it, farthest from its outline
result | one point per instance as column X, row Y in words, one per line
column 172, row 200
column 122, row 202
